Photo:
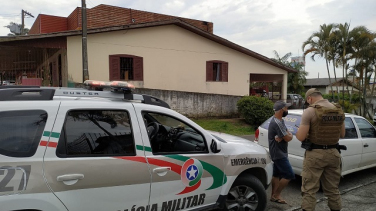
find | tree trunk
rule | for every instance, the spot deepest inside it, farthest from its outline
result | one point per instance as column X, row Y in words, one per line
column 343, row 81
column 330, row 81
column 352, row 87
column 373, row 89
column 335, row 78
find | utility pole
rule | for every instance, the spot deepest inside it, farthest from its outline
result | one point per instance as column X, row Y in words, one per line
column 85, row 75
column 24, row 13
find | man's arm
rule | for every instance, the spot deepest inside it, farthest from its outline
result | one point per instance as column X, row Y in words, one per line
column 288, row 137
column 305, row 122
column 303, row 130
column 343, row 131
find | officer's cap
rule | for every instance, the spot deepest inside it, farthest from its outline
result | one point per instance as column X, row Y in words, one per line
column 311, row 91
column 279, row 105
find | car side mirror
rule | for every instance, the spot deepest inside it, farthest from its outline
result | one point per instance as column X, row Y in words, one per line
column 214, row 147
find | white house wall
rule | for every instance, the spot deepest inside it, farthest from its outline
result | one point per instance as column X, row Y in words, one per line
column 174, row 59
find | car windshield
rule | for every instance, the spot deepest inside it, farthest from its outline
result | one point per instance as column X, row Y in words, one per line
column 292, row 122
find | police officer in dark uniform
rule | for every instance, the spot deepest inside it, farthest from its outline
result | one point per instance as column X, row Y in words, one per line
column 321, row 127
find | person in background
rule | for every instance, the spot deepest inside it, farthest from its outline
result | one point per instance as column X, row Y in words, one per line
column 321, row 127
column 278, row 137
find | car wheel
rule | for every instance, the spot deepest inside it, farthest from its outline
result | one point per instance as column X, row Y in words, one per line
column 247, row 193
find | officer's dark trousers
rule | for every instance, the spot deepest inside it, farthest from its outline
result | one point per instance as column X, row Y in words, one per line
column 321, row 165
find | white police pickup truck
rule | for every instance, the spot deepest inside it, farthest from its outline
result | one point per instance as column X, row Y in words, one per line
column 89, row 149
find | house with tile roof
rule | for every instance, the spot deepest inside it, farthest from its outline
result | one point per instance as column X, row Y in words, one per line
column 153, row 51
column 325, row 85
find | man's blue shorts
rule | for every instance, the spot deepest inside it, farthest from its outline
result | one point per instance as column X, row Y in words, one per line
column 282, row 169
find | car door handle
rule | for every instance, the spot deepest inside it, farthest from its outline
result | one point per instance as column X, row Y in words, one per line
column 69, row 179
column 162, row 170
column 365, row 145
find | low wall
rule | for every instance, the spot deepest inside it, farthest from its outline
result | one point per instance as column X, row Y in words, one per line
column 196, row 104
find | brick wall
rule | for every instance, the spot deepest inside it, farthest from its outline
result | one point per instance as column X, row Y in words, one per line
column 35, row 28
column 51, row 23
column 106, row 16
column 48, row 23
column 73, row 20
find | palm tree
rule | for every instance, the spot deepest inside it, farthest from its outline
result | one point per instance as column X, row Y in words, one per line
column 282, row 60
column 319, row 45
column 361, row 44
column 295, row 81
column 342, row 35
column 373, row 62
column 333, row 55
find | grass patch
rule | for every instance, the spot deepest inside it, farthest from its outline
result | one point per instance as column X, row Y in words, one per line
column 236, row 127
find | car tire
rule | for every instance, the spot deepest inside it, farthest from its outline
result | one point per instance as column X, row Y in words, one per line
column 247, row 193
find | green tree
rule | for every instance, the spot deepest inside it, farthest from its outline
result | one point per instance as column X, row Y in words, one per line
column 342, row 38
column 318, row 44
column 337, row 44
column 295, row 81
column 255, row 110
column 282, row 60
column 362, row 47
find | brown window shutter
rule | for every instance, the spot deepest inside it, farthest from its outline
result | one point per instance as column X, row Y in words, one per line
column 225, row 71
column 138, row 68
column 114, row 67
column 209, row 71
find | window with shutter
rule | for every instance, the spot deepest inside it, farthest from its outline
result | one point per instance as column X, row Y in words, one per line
column 217, row 71
column 209, row 71
column 225, row 72
column 138, row 64
column 114, row 68
column 126, row 67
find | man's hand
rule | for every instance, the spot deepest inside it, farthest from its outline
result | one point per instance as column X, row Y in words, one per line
column 278, row 139
column 302, row 133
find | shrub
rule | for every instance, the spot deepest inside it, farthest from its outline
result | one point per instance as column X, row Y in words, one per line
column 255, row 110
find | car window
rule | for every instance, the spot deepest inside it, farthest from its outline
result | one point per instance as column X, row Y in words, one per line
column 292, row 122
column 169, row 135
column 96, row 133
column 350, row 129
column 21, row 132
column 265, row 125
column 365, row 128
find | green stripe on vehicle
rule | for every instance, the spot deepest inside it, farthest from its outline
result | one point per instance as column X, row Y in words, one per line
column 219, row 178
column 52, row 134
column 143, row 148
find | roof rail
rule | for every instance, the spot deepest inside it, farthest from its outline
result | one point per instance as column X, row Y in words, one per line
column 19, row 93
column 17, row 86
column 33, row 93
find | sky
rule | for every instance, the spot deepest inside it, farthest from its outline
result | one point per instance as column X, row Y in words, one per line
column 259, row 25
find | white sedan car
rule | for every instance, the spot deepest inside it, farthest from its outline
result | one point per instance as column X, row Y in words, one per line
column 360, row 140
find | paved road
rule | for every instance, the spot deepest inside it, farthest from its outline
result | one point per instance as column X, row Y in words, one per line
column 358, row 191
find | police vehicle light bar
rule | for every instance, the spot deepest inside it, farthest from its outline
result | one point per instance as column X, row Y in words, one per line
column 118, row 90
column 116, row 86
